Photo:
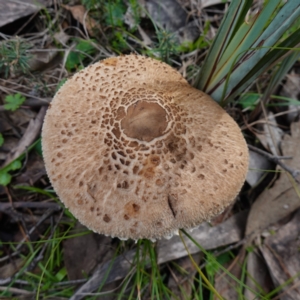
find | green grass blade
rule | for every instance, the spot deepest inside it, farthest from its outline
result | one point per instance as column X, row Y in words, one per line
column 244, row 39
column 230, row 24
column 222, row 268
column 266, row 62
column 279, row 74
column 267, row 40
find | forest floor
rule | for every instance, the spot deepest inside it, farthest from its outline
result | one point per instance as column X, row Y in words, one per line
column 251, row 251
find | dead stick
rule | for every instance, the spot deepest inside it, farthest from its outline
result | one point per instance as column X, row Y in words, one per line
column 277, row 160
column 39, row 205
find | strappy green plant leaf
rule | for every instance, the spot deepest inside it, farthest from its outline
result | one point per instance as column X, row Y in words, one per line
column 244, row 49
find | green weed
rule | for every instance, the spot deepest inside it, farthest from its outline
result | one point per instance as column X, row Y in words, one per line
column 201, row 42
column 82, row 50
column 5, row 176
column 14, row 56
column 249, row 100
column 1, row 139
column 60, row 84
column 13, row 102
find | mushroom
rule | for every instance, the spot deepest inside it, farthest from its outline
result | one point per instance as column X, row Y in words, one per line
column 134, row 151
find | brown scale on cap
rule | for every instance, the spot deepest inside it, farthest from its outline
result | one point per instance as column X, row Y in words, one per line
column 135, row 152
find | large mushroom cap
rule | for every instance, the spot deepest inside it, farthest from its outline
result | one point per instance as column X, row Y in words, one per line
column 135, row 152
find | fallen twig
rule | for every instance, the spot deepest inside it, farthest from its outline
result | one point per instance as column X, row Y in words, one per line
column 31, row 133
column 44, row 205
column 277, row 160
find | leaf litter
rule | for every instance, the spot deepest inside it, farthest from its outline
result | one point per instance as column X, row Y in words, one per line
column 282, row 198
column 261, row 235
column 282, row 256
column 224, row 234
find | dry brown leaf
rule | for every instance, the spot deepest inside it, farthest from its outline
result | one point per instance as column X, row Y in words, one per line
column 10, row 142
column 41, row 58
column 11, row 268
column 4, row 122
column 188, row 33
column 13, row 10
column 281, row 199
column 35, row 169
column 281, row 252
column 87, row 251
column 168, row 14
column 257, row 166
column 291, row 89
column 272, row 135
column 80, row 14
column 257, row 276
column 21, row 117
